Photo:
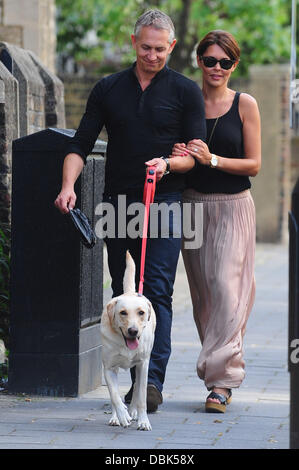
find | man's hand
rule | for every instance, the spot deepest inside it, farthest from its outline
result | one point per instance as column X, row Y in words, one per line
column 160, row 165
column 72, row 167
column 66, row 200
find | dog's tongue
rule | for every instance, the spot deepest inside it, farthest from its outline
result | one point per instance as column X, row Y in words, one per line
column 132, row 343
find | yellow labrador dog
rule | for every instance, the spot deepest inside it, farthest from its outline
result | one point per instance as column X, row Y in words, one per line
column 127, row 329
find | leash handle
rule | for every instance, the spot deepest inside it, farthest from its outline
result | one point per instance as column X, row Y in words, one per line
column 150, row 184
column 148, row 198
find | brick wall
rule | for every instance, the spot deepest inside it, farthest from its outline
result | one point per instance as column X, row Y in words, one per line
column 76, row 92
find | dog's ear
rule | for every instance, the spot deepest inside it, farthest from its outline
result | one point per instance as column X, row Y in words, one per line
column 111, row 310
column 150, row 309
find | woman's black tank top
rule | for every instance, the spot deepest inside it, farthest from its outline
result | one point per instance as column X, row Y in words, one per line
column 226, row 141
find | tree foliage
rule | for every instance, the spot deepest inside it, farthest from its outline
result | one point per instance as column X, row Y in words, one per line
column 262, row 27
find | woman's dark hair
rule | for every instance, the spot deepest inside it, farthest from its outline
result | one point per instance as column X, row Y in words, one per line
column 223, row 39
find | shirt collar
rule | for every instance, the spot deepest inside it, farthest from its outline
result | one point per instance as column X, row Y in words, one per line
column 158, row 75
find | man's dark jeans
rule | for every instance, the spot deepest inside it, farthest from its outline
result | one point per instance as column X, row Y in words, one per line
column 159, row 275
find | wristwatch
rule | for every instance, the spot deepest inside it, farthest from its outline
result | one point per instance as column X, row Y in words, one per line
column 167, row 165
column 213, row 161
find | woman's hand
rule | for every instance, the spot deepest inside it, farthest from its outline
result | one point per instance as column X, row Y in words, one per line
column 160, row 165
column 196, row 148
column 199, row 150
column 179, row 150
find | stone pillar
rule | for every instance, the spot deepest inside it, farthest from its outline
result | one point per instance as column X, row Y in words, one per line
column 31, row 88
column 269, row 84
column 9, row 130
column 54, row 95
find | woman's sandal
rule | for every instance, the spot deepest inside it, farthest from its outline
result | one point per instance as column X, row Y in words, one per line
column 213, row 407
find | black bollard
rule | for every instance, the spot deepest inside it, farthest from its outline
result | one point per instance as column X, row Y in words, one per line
column 293, row 347
column 56, row 282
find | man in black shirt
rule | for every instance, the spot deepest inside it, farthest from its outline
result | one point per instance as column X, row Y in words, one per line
column 146, row 109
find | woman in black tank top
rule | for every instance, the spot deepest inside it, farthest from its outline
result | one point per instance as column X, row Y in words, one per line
column 227, row 141
column 221, row 272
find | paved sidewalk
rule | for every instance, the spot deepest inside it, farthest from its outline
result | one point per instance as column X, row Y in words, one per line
column 257, row 418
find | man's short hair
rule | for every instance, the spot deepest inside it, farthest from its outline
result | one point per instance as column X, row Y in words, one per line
column 157, row 19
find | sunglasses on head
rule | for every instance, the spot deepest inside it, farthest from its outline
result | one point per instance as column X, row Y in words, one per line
column 210, row 61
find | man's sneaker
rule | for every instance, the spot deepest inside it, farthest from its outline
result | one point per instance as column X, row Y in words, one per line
column 154, row 398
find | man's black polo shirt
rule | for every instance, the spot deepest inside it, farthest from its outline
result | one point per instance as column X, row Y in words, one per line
column 141, row 125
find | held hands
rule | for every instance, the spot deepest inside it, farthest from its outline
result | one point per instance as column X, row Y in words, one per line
column 196, row 148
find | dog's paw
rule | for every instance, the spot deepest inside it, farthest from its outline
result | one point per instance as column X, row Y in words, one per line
column 124, row 418
column 133, row 413
column 144, row 424
column 114, row 421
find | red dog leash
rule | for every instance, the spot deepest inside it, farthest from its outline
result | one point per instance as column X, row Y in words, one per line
column 148, row 198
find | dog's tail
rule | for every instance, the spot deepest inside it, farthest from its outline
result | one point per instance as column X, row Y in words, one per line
column 129, row 276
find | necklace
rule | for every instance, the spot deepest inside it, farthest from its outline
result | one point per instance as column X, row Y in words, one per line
column 211, row 135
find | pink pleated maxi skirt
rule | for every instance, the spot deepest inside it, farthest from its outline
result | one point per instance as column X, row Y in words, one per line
column 222, row 285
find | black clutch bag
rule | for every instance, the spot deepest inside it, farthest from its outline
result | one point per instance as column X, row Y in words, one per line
column 83, row 227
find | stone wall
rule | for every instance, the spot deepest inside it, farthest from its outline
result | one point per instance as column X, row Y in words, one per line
column 31, row 99
column 9, row 130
